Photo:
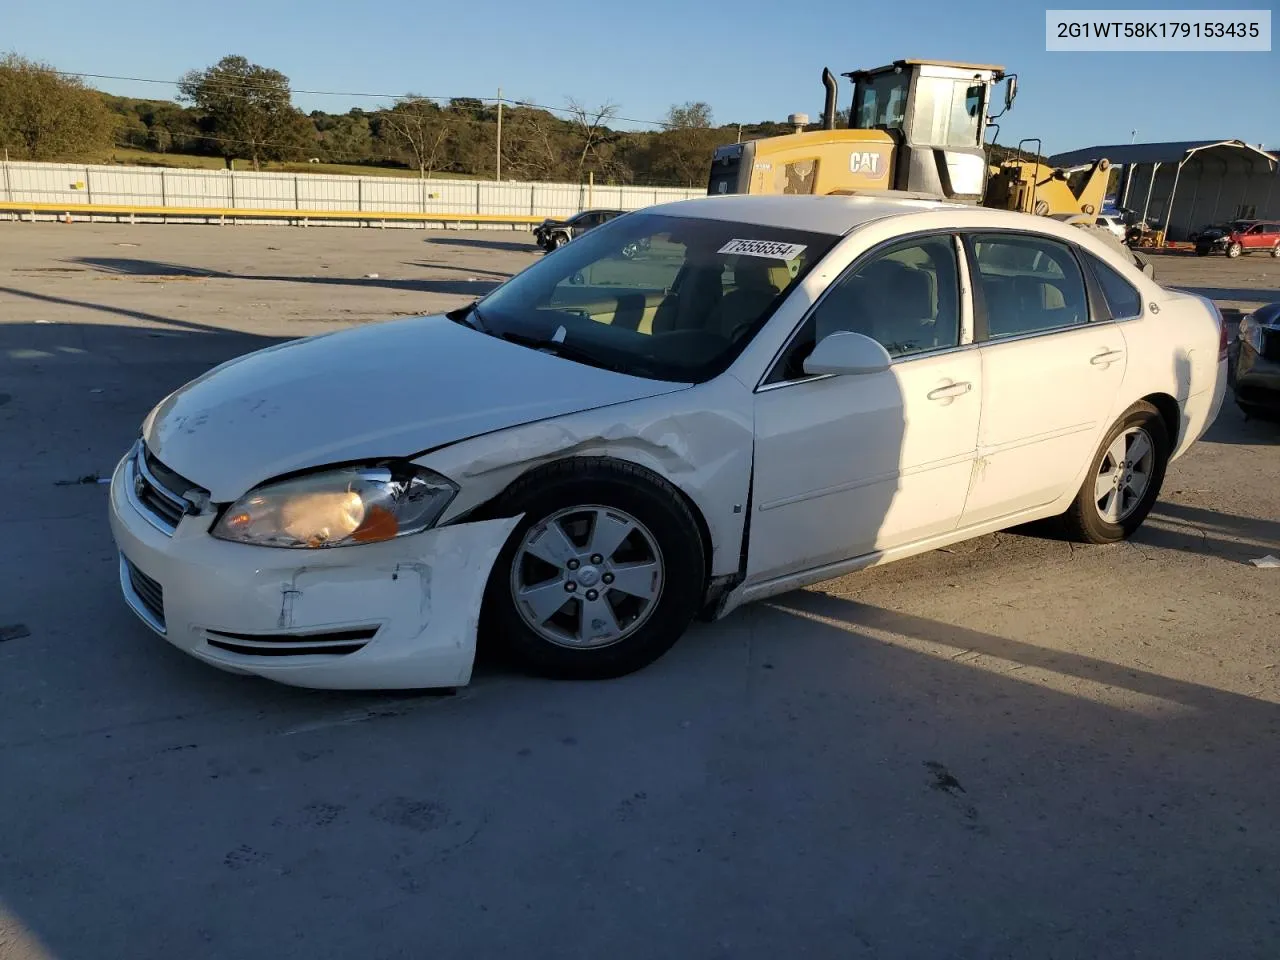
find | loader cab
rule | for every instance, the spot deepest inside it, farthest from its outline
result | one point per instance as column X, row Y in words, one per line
column 937, row 113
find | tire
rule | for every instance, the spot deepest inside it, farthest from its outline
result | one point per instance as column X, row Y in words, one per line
column 1202, row 251
column 574, row 497
column 1084, row 520
column 1275, row 251
column 1234, row 250
column 558, row 241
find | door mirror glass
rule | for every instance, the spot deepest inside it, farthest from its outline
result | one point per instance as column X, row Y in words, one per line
column 846, row 353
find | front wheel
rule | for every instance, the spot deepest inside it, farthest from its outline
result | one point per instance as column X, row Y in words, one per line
column 558, row 241
column 601, row 576
column 1234, row 250
column 1275, row 251
column 1124, row 479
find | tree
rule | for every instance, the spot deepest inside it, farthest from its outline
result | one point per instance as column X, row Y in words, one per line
column 247, row 108
column 535, row 145
column 45, row 116
column 684, row 149
column 590, row 124
column 418, row 125
column 345, row 139
column 689, row 116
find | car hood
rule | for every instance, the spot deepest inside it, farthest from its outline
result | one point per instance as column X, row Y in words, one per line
column 386, row 390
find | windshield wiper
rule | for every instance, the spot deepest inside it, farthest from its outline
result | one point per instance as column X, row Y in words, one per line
column 468, row 316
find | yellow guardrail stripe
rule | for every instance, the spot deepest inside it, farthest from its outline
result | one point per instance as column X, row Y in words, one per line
column 121, row 210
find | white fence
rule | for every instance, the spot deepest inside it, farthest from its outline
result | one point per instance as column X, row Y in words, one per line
column 125, row 187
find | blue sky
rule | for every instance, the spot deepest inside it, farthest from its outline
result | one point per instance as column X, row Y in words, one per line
column 751, row 60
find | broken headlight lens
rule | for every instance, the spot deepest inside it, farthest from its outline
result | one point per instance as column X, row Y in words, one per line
column 338, row 508
column 1251, row 332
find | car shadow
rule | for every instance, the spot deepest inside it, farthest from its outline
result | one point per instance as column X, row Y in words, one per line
column 16, row 332
column 454, row 268
column 152, row 268
column 973, row 793
column 479, row 243
column 1263, row 533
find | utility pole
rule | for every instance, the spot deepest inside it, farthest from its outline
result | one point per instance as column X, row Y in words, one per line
column 739, row 133
column 1133, row 135
column 498, row 166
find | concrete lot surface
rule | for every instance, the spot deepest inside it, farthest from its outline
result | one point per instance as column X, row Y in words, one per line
column 1012, row 748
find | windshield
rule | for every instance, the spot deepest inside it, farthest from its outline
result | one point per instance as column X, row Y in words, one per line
column 669, row 298
column 881, row 102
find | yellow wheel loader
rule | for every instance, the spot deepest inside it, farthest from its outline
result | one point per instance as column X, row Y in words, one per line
column 916, row 127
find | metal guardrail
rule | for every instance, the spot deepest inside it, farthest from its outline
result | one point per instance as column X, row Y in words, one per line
column 223, row 214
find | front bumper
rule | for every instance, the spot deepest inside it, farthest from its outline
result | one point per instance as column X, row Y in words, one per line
column 395, row 615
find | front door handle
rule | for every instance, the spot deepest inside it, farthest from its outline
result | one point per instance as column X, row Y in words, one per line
column 951, row 391
column 1106, row 357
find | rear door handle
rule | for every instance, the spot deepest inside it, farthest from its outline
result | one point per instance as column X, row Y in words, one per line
column 951, row 391
column 1106, row 357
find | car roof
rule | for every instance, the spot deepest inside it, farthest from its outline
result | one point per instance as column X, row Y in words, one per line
column 834, row 215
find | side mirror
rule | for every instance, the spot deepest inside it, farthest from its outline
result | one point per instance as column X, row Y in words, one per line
column 1010, row 91
column 846, row 353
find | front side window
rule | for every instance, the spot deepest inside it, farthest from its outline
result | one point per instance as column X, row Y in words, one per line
column 651, row 295
column 1029, row 284
column 906, row 297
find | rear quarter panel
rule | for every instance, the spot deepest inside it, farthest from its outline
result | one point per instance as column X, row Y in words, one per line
column 1173, row 349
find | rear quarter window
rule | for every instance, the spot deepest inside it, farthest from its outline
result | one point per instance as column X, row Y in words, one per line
column 1123, row 299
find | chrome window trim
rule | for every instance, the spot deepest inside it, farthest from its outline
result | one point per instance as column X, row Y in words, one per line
column 893, row 362
column 1048, row 332
column 962, row 273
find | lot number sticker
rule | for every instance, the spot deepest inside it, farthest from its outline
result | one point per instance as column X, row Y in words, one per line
column 769, row 249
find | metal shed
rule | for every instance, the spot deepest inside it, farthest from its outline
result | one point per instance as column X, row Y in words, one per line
column 1190, row 183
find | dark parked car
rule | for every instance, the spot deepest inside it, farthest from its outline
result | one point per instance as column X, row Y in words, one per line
column 552, row 234
column 1240, row 236
column 1257, row 384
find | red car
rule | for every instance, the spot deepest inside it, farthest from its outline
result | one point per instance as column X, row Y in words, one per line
column 1241, row 236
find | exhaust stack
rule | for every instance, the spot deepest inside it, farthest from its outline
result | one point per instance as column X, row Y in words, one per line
column 829, row 110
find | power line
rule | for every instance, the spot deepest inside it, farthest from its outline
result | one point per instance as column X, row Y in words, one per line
column 266, row 85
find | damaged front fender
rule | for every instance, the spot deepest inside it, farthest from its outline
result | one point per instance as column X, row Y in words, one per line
column 700, row 440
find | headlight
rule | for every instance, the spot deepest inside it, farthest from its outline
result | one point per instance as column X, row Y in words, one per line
column 338, row 508
column 1251, row 332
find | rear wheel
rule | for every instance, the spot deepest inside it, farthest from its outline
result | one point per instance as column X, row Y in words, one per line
column 1124, row 479
column 601, row 576
column 1234, row 250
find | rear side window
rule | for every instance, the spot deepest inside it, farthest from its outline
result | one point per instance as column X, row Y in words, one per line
column 1029, row 284
column 1123, row 300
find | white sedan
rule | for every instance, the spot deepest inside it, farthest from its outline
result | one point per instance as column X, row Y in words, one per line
column 781, row 390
